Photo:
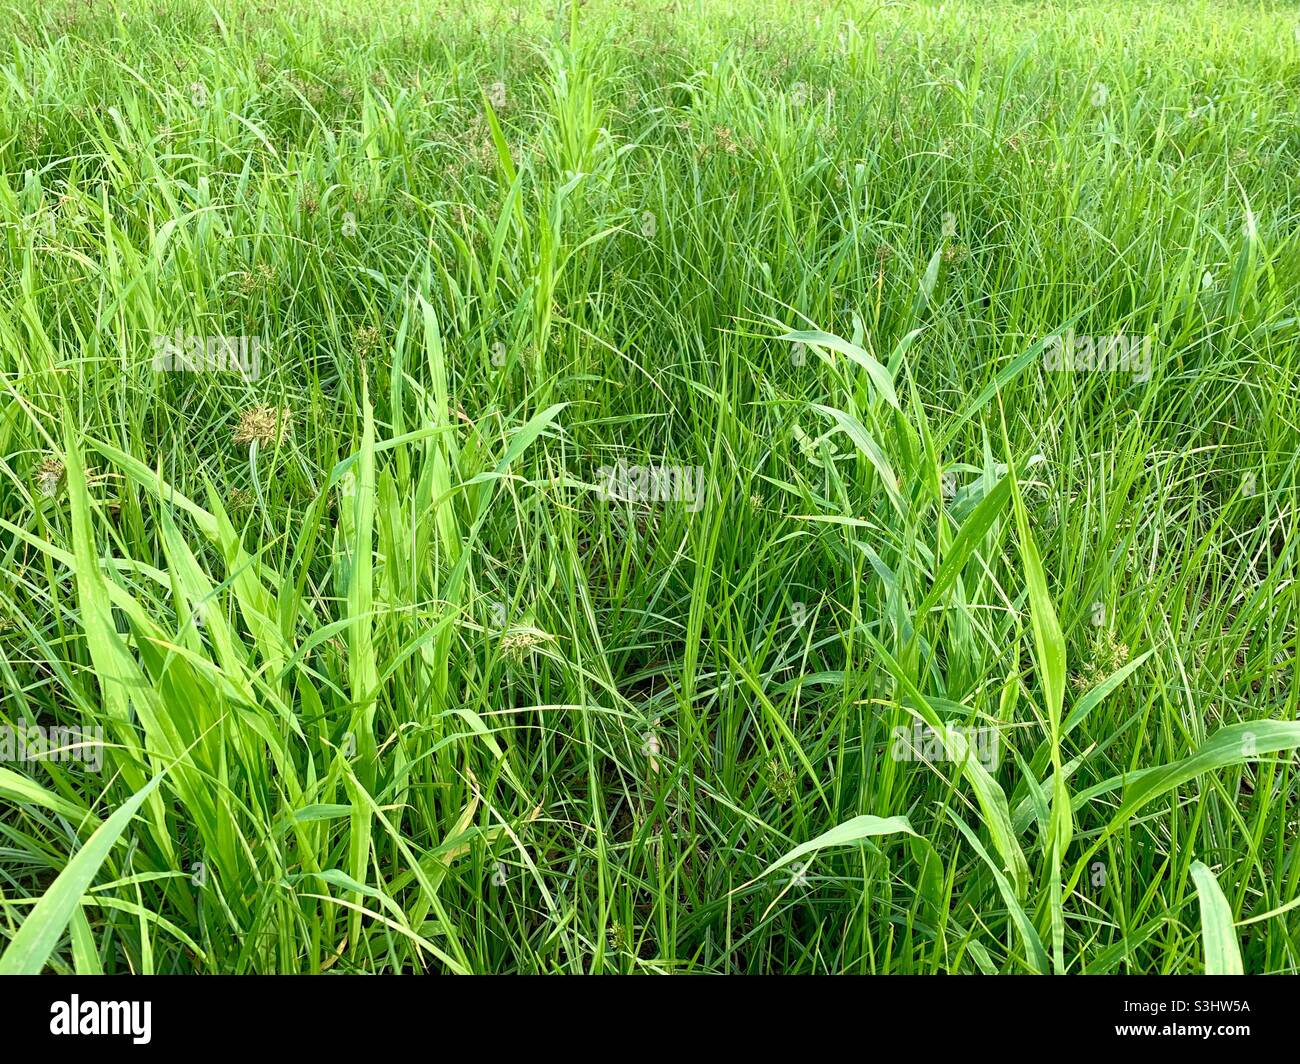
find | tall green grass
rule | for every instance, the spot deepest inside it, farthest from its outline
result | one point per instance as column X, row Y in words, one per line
column 388, row 685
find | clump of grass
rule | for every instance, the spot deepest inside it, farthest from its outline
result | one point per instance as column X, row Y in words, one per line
column 377, row 614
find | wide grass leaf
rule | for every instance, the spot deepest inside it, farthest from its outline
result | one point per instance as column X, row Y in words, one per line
column 879, row 375
column 35, row 940
column 854, row 830
column 1236, row 744
column 1222, row 956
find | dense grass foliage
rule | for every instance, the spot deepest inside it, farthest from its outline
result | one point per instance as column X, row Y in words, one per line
column 387, row 682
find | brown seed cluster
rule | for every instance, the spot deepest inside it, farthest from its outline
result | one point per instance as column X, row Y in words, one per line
column 49, row 477
column 263, row 425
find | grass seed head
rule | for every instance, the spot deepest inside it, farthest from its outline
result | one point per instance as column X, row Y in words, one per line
column 520, row 642
column 263, row 425
column 365, row 340
column 49, row 477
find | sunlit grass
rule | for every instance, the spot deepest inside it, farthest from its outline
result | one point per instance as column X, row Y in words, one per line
column 976, row 324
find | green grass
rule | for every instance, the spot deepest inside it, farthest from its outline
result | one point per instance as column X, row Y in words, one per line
column 387, row 684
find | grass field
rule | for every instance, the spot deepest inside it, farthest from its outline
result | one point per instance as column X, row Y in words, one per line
column 649, row 487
